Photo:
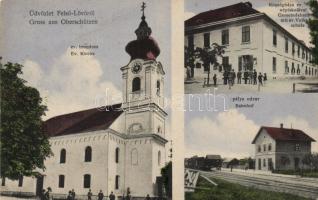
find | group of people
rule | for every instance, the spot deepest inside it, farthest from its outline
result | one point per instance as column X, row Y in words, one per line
column 249, row 77
column 46, row 195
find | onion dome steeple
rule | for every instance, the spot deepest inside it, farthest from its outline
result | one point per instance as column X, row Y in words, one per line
column 145, row 47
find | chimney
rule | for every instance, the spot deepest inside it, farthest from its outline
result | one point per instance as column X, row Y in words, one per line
column 249, row 4
column 281, row 125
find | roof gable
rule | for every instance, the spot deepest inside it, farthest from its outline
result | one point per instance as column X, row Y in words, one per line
column 284, row 134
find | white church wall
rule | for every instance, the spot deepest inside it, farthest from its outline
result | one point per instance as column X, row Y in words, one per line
column 74, row 168
column 28, row 186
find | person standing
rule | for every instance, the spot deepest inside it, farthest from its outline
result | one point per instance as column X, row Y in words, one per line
column 69, row 196
column 112, row 196
column 73, row 194
column 245, row 77
column 250, row 80
column 239, row 77
column 89, row 194
column 260, row 79
column 214, row 80
column 42, row 195
column 100, row 195
column 48, row 193
column 147, row 197
column 255, row 77
column 265, row 78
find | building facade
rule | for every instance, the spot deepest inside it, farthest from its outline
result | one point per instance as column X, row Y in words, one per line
column 281, row 148
column 115, row 148
column 252, row 40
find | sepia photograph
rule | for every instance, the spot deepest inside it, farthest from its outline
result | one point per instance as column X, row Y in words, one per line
column 83, row 91
column 269, row 151
column 252, row 46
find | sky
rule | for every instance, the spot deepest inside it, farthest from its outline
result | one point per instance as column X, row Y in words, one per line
column 193, row 7
column 72, row 83
column 229, row 133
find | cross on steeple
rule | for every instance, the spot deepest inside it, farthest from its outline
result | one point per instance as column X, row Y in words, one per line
column 143, row 6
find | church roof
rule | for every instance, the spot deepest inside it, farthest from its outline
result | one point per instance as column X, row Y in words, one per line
column 228, row 12
column 285, row 134
column 82, row 121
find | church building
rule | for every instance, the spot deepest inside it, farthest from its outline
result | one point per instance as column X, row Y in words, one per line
column 116, row 148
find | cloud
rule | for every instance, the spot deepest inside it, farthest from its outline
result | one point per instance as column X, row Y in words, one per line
column 71, row 84
column 298, row 123
column 229, row 134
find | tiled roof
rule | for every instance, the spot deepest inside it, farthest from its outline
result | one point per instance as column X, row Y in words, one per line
column 285, row 134
column 87, row 120
column 213, row 157
column 228, row 12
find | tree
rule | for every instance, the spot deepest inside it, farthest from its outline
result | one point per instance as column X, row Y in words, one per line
column 311, row 159
column 166, row 173
column 208, row 55
column 313, row 26
column 24, row 146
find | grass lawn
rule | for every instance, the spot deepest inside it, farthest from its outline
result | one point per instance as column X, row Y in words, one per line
column 232, row 191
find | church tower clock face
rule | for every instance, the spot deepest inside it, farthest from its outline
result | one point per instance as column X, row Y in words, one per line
column 136, row 67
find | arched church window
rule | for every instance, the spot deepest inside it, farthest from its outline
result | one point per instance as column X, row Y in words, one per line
column 63, row 156
column 88, row 154
column 158, row 87
column 117, row 155
column 87, row 180
column 117, row 182
column 134, row 157
column 159, row 158
column 136, row 84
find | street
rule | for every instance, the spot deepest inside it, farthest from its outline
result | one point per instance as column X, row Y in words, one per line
column 271, row 86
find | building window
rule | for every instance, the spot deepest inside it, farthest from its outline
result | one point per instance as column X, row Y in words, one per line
column 264, row 147
column 269, row 147
column 274, row 64
column 298, row 69
column 136, row 84
column 134, row 157
column 87, row 181
column 63, row 156
column 293, row 70
column 61, row 181
column 264, row 162
column 159, row 158
column 245, row 34
column 206, row 39
column 88, row 154
column 117, row 155
column 225, row 37
column 117, row 182
column 298, row 51
column 225, row 63
column 158, row 87
column 3, row 181
column 286, row 44
column 293, row 48
column 259, row 149
column 191, row 42
column 303, row 53
column 274, row 37
column 286, row 67
column 20, row 184
column 297, row 147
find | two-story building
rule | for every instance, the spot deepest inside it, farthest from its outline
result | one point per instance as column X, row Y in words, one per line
column 281, row 148
column 252, row 40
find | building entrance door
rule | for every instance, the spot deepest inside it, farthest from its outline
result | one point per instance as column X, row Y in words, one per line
column 39, row 185
column 296, row 163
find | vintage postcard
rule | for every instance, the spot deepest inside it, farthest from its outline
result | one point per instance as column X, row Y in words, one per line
column 84, row 86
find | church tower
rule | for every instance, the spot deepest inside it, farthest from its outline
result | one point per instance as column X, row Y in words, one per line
column 143, row 103
column 143, row 84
